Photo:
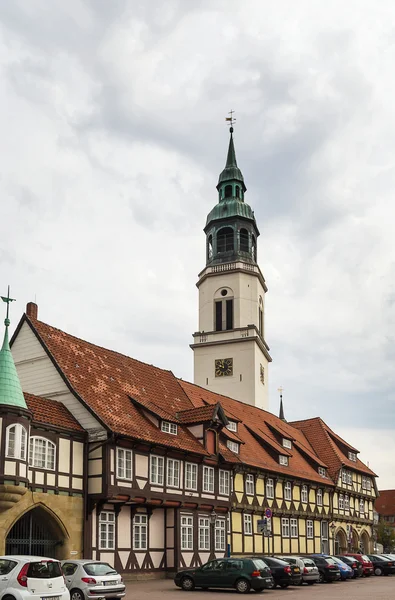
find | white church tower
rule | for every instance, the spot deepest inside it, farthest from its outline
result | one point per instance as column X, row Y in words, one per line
column 230, row 353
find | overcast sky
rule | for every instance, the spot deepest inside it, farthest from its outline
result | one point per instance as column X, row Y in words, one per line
column 112, row 139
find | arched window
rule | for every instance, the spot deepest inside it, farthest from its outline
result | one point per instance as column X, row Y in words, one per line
column 225, row 239
column 41, row 453
column 260, row 316
column 253, row 247
column 16, row 441
column 209, row 247
column 237, row 191
column 244, row 245
column 228, row 191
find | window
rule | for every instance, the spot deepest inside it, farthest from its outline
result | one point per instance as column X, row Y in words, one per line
column 225, row 238
column 140, row 530
column 269, row 488
column 349, row 478
column 309, row 530
column 41, row 453
column 260, row 316
column 285, row 527
column 250, row 485
column 287, row 443
column 283, row 460
column 368, row 484
column 204, row 533
column 223, row 315
column 304, row 494
column 322, row 471
column 344, row 476
column 191, row 470
column 168, row 427
column 341, row 502
column 346, row 503
column 232, row 426
column 244, row 244
column 288, row 491
column 220, row 536
column 352, row 456
column 253, row 247
column 319, row 497
column 16, row 438
column 173, row 473
column 156, row 470
column 362, row 507
column 228, row 191
column 237, row 191
column 234, row 446
column 248, row 524
column 209, row 247
column 294, row 528
column 324, row 537
column 124, row 463
column 224, row 481
column 208, row 480
column 186, row 532
column 107, row 530
column 364, row 483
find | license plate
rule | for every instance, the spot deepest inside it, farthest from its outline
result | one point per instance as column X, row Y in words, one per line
column 110, row 582
column 50, row 597
column 268, row 580
column 296, row 570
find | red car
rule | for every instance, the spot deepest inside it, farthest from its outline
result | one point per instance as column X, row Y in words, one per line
column 366, row 563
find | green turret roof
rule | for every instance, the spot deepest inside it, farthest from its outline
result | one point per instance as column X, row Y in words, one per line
column 10, row 387
column 230, row 207
column 231, row 171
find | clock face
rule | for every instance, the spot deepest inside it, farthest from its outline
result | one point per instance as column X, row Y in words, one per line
column 223, row 367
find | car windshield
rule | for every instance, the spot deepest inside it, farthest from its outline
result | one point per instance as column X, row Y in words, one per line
column 98, row 569
column 365, row 558
column 308, row 562
column 260, row 564
column 338, row 560
column 330, row 560
column 45, row 569
column 276, row 562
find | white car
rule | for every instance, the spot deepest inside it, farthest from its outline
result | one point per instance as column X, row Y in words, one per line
column 88, row 579
column 32, row 578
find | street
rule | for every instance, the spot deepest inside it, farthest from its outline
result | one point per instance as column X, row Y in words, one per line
column 374, row 588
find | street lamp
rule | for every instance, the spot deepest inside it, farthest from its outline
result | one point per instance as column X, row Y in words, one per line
column 213, row 517
column 333, row 527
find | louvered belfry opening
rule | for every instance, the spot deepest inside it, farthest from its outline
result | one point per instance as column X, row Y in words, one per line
column 34, row 534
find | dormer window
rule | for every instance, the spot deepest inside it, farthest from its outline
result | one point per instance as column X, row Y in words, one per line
column 232, row 426
column 322, row 471
column 283, row 460
column 233, row 446
column 287, row 443
column 168, row 427
column 352, row 456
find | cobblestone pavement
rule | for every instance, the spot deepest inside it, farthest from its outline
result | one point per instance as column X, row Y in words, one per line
column 374, row 588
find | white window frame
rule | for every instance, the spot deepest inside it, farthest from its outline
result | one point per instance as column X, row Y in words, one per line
column 288, row 490
column 20, row 441
column 204, row 533
column 341, row 502
column 304, row 494
column 283, row 460
column 168, row 427
column 294, row 529
column 346, row 503
column 287, row 444
column 191, row 476
column 322, row 471
column 157, row 470
column 107, row 526
column 364, row 482
column 352, row 456
column 173, row 473
column 309, row 529
column 140, row 531
column 349, row 478
column 49, row 465
column 224, row 483
column 232, row 426
column 362, row 506
column 285, row 527
column 220, row 535
column 344, row 476
column 186, row 532
column 269, row 488
column 123, row 457
column 208, row 479
column 250, row 485
column 233, row 446
column 247, row 522
column 319, row 497
column 368, row 484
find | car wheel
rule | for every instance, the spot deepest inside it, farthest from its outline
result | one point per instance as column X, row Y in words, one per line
column 76, row 595
column 321, row 578
column 187, row 584
column 271, row 586
column 378, row 571
column 243, row 586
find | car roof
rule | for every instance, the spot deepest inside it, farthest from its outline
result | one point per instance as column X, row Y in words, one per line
column 27, row 558
column 84, row 561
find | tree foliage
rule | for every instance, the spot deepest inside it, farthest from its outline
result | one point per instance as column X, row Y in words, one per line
column 386, row 536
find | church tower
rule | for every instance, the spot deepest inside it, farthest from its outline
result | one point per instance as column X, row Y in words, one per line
column 231, row 356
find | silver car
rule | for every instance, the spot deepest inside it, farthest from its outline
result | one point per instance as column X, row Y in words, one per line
column 31, row 578
column 87, row 579
column 308, row 568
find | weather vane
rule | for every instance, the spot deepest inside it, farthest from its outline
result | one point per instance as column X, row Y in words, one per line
column 7, row 300
column 231, row 120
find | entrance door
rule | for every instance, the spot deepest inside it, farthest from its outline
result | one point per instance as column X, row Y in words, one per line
column 33, row 535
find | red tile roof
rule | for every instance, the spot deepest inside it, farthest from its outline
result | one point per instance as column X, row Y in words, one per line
column 385, row 503
column 201, row 414
column 51, row 412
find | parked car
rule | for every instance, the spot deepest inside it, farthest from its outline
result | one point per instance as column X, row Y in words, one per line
column 32, row 578
column 241, row 574
column 328, row 569
column 346, row 572
column 365, row 560
column 283, row 573
column 88, row 579
column 355, row 565
column 382, row 565
column 308, row 568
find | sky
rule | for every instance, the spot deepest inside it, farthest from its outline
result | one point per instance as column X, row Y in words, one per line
column 113, row 136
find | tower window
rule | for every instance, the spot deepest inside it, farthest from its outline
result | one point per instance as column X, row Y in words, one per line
column 229, row 314
column 253, row 247
column 228, row 191
column 209, row 247
column 244, row 246
column 225, row 239
column 237, row 191
column 223, row 315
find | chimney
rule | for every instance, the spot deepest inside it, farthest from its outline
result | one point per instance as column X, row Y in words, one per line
column 32, row 310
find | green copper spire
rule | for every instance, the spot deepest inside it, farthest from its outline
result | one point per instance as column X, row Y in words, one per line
column 10, row 387
column 231, row 171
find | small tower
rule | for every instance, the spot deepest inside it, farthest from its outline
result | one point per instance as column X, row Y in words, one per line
column 230, row 353
column 10, row 387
